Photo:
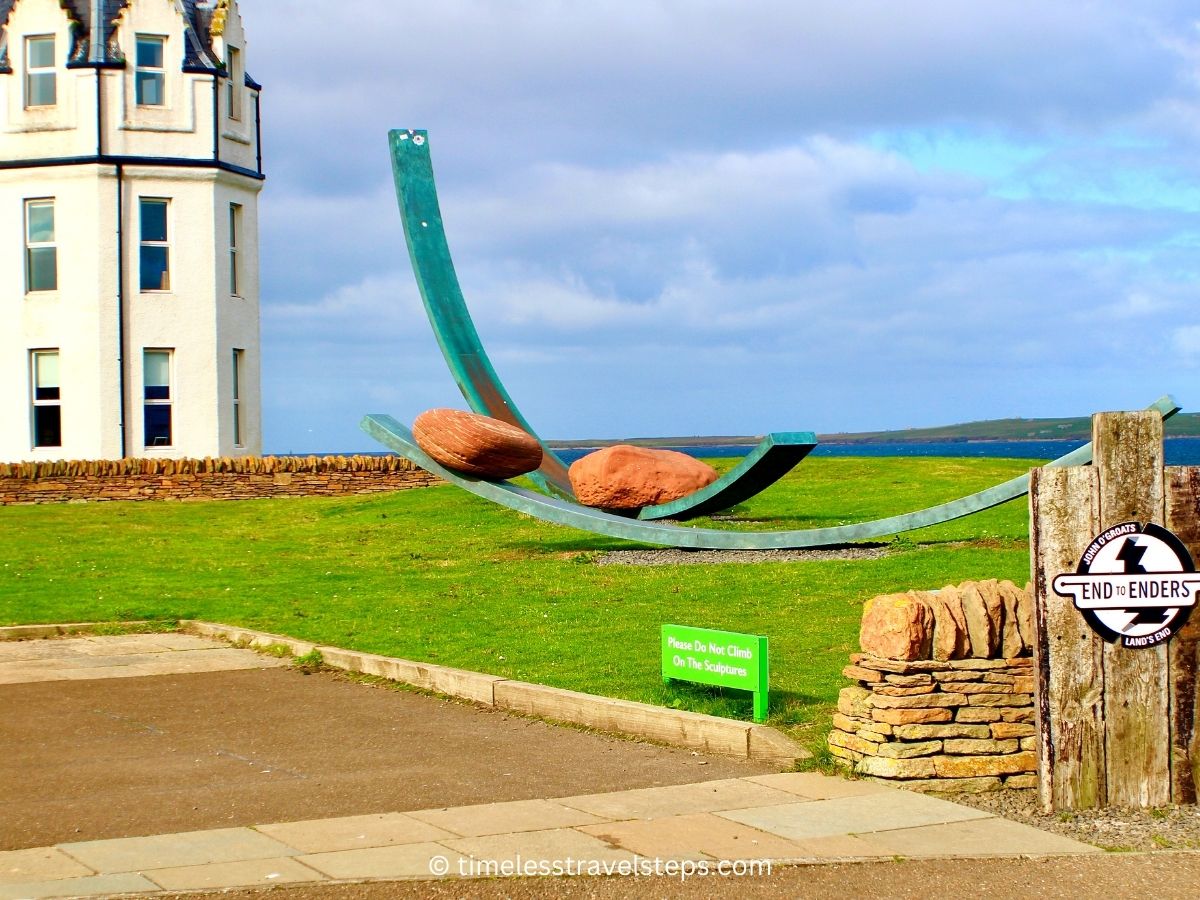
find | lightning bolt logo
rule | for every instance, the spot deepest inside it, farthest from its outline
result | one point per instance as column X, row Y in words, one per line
column 1131, row 554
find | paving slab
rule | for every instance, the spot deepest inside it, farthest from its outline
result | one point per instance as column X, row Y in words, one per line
column 94, row 886
column 504, row 818
column 247, row 873
column 354, row 832
column 401, row 861
column 162, row 851
column 701, row 835
column 122, row 656
column 981, row 837
column 38, row 864
column 815, row 786
column 651, row 803
column 557, row 845
column 853, row 815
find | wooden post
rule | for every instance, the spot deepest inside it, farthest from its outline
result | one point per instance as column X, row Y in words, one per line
column 1183, row 518
column 1117, row 726
column 1128, row 457
column 1070, row 656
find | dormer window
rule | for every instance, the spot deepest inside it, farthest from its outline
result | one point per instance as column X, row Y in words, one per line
column 233, row 92
column 150, row 75
column 40, row 77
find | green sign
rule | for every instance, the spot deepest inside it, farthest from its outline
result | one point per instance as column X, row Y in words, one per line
column 722, row 658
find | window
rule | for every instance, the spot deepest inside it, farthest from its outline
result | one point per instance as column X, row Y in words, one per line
column 41, row 254
column 150, row 76
column 233, row 87
column 41, row 87
column 156, row 387
column 235, row 223
column 237, row 397
column 47, row 403
column 155, row 251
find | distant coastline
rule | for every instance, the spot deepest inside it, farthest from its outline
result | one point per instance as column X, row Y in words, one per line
column 994, row 430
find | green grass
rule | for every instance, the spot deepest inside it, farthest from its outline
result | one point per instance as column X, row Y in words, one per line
column 441, row 576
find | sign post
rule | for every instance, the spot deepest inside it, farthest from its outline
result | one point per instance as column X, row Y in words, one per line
column 721, row 658
column 1117, row 647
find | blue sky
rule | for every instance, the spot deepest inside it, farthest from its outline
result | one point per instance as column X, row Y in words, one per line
column 676, row 217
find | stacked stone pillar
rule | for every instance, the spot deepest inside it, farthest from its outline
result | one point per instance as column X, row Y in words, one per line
column 944, row 692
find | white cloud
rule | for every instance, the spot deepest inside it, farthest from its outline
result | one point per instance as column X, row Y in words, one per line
column 688, row 197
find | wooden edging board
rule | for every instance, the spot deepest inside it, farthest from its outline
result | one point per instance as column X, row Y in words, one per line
column 679, row 728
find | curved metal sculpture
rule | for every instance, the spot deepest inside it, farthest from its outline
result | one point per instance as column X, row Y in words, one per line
column 429, row 251
column 391, row 433
column 416, row 194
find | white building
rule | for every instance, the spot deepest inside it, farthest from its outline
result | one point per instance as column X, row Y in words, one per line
column 130, row 166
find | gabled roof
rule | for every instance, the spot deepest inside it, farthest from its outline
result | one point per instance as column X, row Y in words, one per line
column 93, row 34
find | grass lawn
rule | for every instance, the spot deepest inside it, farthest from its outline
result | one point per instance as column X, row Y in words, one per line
column 438, row 575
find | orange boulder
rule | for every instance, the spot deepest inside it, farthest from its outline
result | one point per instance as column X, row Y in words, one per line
column 475, row 444
column 627, row 477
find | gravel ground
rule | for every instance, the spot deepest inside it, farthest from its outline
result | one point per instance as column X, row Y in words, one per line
column 670, row 556
column 1168, row 828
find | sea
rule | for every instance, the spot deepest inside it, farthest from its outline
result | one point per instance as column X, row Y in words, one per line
column 1179, row 451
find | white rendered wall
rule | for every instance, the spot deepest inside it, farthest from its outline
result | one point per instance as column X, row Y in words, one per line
column 198, row 318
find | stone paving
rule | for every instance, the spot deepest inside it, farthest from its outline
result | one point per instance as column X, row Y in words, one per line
column 785, row 818
column 122, row 656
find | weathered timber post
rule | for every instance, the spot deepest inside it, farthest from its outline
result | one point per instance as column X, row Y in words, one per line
column 1117, row 675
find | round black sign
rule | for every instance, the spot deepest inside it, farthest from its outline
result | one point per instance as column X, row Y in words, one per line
column 1135, row 584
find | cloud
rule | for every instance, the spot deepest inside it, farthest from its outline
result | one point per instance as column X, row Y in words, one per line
column 707, row 215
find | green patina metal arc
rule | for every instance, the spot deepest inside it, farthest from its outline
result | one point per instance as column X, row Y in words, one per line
column 425, row 234
column 416, row 193
column 391, row 433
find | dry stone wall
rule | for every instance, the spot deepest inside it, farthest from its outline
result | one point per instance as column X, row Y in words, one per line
column 238, row 478
column 943, row 698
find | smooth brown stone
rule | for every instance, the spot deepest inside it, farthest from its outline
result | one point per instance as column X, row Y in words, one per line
column 909, row 680
column 924, row 701
column 843, row 753
column 973, row 766
column 984, row 615
column 950, row 638
column 897, row 626
column 1024, row 610
column 868, row 730
column 956, row 785
column 1001, row 700
column 858, row 673
column 852, row 701
column 980, row 747
column 1021, row 782
column 1012, row 730
column 979, row 664
column 902, row 750
column 852, row 742
column 628, row 477
column 898, row 667
column 475, row 444
column 890, row 690
column 974, row 715
column 976, row 687
column 1018, row 715
column 930, row 732
column 911, row 716
column 896, row 768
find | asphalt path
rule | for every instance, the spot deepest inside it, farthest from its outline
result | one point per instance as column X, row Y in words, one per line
column 85, row 760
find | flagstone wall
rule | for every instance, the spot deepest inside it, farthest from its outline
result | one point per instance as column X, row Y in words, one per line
column 237, row 478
